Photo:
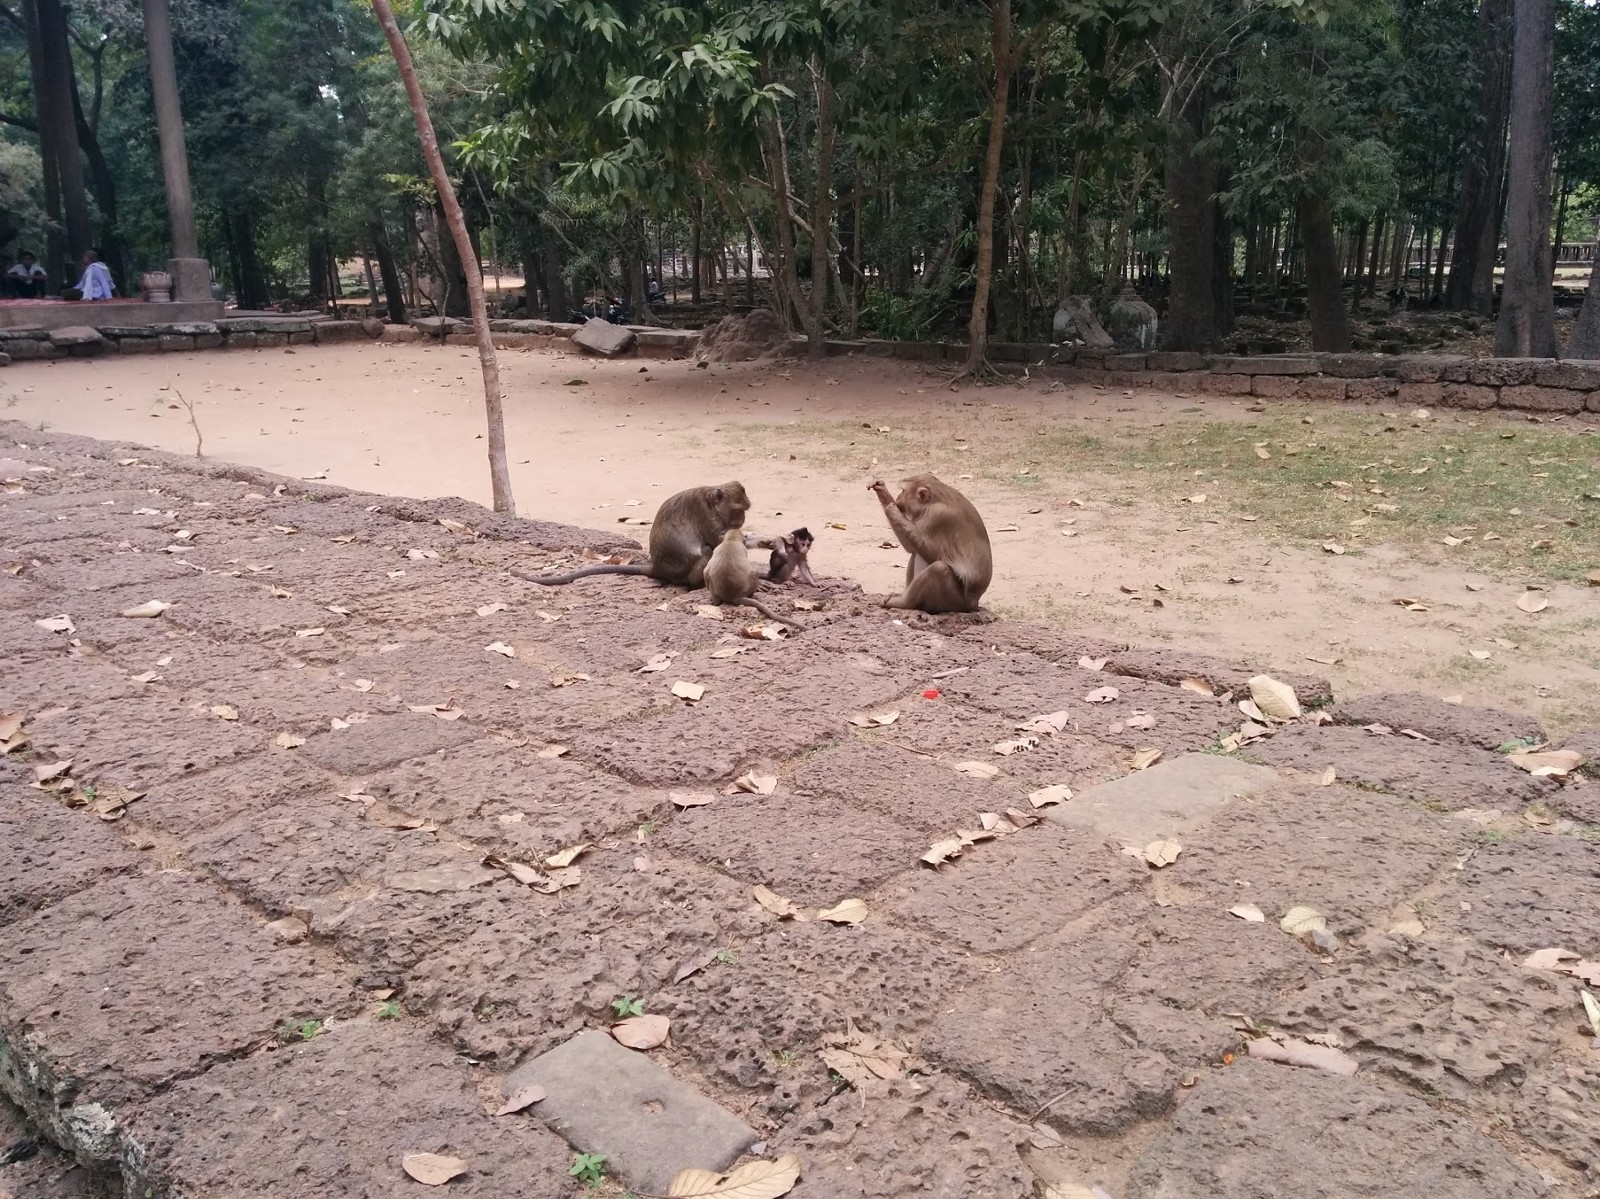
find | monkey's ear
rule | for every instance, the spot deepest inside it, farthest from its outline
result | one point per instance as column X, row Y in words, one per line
column 721, row 495
column 923, row 495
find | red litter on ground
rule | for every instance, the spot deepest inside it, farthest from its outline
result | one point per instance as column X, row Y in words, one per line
column 931, row 693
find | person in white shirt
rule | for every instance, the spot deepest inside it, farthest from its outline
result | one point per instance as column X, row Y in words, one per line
column 26, row 277
column 96, row 283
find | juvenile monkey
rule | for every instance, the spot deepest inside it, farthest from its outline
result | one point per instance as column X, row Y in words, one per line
column 789, row 558
column 732, row 580
column 683, row 535
column 950, row 564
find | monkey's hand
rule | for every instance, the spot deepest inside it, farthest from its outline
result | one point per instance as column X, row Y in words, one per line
column 882, row 492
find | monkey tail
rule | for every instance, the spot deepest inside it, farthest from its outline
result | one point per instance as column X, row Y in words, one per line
column 634, row 568
column 751, row 602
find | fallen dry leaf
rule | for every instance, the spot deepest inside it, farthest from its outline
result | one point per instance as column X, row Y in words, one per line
column 1198, row 686
column 691, row 799
column 1015, row 745
column 547, row 617
column 1302, row 921
column 500, row 647
column 361, row 685
column 225, row 712
column 688, row 691
column 1198, row 498
column 1482, row 655
column 1410, row 604
column 567, row 856
column 753, row 1180
column 1276, row 699
column 1557, row 763
column 756, row 784
column 310, row 632
column 288, row 740
column 1092, row 663
column 519, row 1099
column 1144, row 759
column 1532, row 601
column 565, row 678
column 1103, row 696
column 1292, row 1052
column 381, row 815
column 657, row 662
column 981, row 770
column 1332, row 547
column 872, row 720
column 432, row 1169
column 711, row 611
column 57, row 624
column 1050, row 722
column 641, row 1032
column 1327, row 776
column 775, row 903
column 491, row 609
column 147, row 609
column 1053, row 794
column 729, row 651
column 1162, row 853
column 553, row 751
column 942, row 851
column 1406, row 921
column 1248, row 911
column 849, row 911
column 10, row 725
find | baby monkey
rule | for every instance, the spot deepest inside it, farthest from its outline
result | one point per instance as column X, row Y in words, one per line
column 789, row 558
column 732, row 580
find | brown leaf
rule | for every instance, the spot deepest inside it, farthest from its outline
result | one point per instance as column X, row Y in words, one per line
column 1092, row 663
column 942, row 851
column 754, row 1180
column 710, row 611
column 288, row 740
column 1198, row 686
column 1016, row 745
column 1144, row 758
column 553, row 751
column 872, row 720
column 691, row 799
column 688, row 691
column 1302, row 921
column 981, row 770
column 149, row 608
column 10, row 725
column 1248, row 911
column 310, row 632
column 567, row 856
column 806, row 605
column 432, row 1169
column 657, row 663
column 500, row 647
column 775, row 903
column 57, row 624
column 519, row 1099
column 1327, row 776
column 1050, row 722
column 1556, row 763
column 1292, row 1052
column 849, row 911
column 382, row 815
column 491, row 609
column 1276, row 699
column 1104, row 695
column 1162, row 853
column 225, row 712
column 1532, row 601
column 641, row 1032
column 563, row 678
column 1406, row 921
column 1332, row 547
column 1053, row 794
column 757, row 784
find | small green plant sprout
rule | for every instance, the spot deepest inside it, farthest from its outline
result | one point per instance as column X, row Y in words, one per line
column 389, row 1009
column 725, row 957
column 589, row 1168
column 626, row 1006
column 298, row 1030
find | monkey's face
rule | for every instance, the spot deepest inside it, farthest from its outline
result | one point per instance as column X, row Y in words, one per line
column 730, row 503
column 914, row 499
column 802, row 540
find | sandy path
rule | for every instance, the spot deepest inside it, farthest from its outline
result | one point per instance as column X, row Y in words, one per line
column 408, row 420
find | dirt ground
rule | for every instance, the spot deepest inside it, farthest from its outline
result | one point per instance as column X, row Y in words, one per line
column 1093, row 497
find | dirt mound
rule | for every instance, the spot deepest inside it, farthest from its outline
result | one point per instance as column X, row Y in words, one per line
column 743, row 338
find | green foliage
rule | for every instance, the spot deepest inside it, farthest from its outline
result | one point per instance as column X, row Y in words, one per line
column 588, row 1168
column 626, row 1006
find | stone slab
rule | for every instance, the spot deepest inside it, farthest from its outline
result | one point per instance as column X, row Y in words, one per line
column 600, row 336
column 75, row 335
column 1168, row 798
column 606, row 1099
column 51, row 314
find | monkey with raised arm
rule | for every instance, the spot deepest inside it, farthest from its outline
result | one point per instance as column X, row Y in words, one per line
column 790, row 556
column 687, row 529
column 950, row 564
column 732, row 580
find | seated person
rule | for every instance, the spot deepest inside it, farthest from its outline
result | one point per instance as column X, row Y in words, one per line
column 26, row 278
column 96, row 283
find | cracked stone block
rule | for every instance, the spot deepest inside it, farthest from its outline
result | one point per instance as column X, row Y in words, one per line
column 600, row 336
column 1163, row 800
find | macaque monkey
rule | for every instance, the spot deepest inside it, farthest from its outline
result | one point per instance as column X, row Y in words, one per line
column 789, row 558
column 687, row 528
column 950, row 564
column 732, row 580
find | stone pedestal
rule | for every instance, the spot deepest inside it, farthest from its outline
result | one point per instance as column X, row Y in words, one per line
column 191, row 279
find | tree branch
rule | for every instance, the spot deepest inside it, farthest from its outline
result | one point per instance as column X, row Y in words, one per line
column 20, row 122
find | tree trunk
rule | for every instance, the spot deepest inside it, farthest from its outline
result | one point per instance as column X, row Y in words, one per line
column 105, row 191
column 821, row 215
column 978, row 323
column 393, row 299
column 499, row 471
column 251, row 282
column 785, row 280
column 453, row 299
column 1222, row 318
column 55, row 252
column 557, row 305
column 1471, row 284
column 694, row 250
column 1371, row 285
column 1526, row 328
column 56, row 114
column 1585, row 339
column 1191, row 322
column 1330, row 323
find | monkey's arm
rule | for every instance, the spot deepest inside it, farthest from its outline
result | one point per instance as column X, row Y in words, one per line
column 911, row 538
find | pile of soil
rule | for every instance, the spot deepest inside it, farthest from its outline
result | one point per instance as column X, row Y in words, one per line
column 743, row 338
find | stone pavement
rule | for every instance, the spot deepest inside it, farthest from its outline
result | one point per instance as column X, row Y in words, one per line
column 324, row 934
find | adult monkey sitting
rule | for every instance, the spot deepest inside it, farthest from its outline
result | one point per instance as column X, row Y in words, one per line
column 950, row 564
column 686, row 531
